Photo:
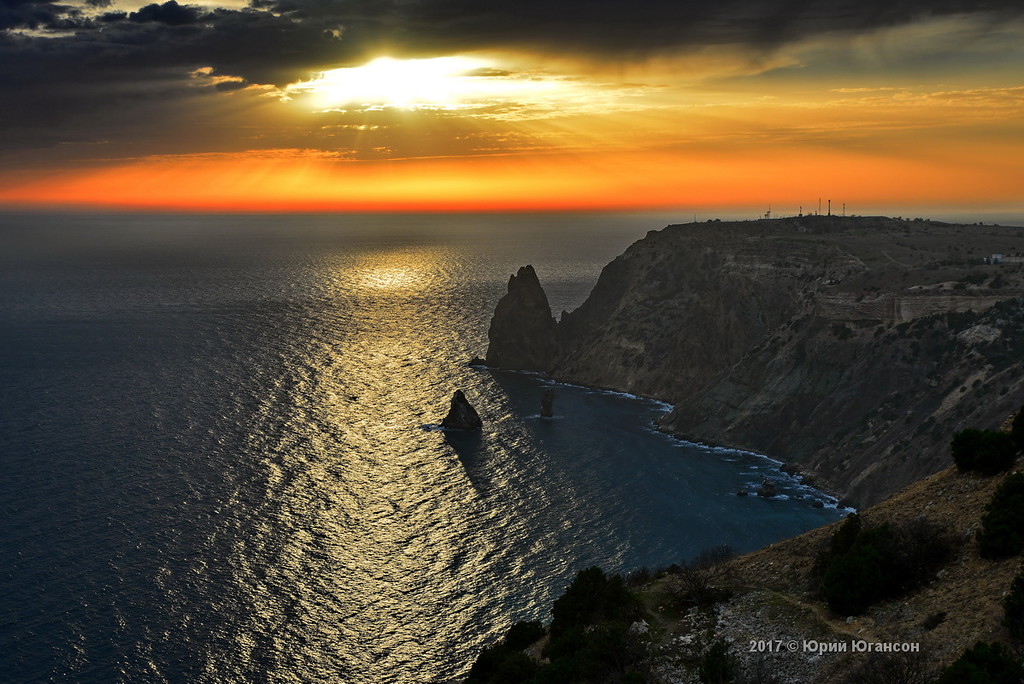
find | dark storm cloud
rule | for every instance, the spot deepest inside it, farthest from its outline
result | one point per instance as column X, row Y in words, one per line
column 71, row 76
column 615, row 28
column 32, row 14
column 170, row 13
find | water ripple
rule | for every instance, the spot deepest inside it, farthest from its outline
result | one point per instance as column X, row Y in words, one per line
column 218, row 467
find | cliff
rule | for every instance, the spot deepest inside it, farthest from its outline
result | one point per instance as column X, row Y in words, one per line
column 852, row 346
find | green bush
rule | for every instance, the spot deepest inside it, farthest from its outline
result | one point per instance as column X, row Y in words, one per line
column 716, row 666
column 522, row 634
column 590, row 598
column 499, row 664
column 984, row 451
column 843, row 539
column 839, row 543
column 984, row 664
column 1013, row 607
column 861, row 576
column 863, row 565
column 1002, row 526
column 1017, row 431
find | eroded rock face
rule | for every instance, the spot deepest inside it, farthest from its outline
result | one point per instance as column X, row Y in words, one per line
column 462, row 415
column 522, row 335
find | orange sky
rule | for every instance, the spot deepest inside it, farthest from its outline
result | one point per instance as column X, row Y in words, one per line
column 705, row 179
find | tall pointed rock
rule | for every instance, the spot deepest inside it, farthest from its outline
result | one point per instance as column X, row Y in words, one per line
column 522, row 333
column 462, row 415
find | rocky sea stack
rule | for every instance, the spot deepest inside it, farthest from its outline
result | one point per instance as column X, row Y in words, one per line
column 522, row 332
column 547, row 404
column 462, row 415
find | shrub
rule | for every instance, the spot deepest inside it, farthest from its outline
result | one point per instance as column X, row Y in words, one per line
column 843, row 539
column 697, row 580
column 639, row 577
column 1002, row 526
column 922, row 548
column 856, row 579
column 501, row 665
column 1017, row 431
column 522, row 634
column 590, row 630
column 865, row 565
column 984, row 664
column 892, row 668
column 1013, row 607
column 985, row 451
column 716, row 666
column 590, row 639
column 592, row 597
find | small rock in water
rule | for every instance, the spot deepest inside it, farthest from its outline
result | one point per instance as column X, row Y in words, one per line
column 547, row 403
column 462, row 415
column 767, row 489
column 742, row 492
column 817, row 504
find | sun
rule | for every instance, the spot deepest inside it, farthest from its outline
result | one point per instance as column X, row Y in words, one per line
column 453, row 82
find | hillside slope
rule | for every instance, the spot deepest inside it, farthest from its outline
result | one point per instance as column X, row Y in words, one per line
column 766, row 613
column 774, row 601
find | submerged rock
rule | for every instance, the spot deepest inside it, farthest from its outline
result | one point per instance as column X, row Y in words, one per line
column 462, row 415
column 522, row 333
column 547, row 403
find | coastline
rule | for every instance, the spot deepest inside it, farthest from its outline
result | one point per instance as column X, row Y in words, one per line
column 794, row 479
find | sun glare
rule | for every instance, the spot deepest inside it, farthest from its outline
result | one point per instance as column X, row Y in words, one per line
column 438, row 83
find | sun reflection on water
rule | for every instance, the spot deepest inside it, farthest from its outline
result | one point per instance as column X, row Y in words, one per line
column 409, row 272
column 380, row 532
column 390, row 278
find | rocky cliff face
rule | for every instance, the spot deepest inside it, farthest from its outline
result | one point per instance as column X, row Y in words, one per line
column 522, row 333
column 855, row 347
column 868, row 409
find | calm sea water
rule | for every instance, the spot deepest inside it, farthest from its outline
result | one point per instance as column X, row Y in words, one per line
column 220, row 460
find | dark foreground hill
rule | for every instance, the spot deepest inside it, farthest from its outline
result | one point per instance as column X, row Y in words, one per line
column 768, row 617
column 854, row 347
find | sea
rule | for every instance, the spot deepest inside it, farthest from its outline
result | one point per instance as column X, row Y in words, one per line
column 221, row 459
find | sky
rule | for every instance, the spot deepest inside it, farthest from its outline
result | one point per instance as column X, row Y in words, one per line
column 502, row 105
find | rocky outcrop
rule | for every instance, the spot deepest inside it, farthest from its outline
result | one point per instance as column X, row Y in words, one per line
column 854, row 347
column 547, row 404
column 462, row 415
column 523, row 332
